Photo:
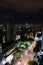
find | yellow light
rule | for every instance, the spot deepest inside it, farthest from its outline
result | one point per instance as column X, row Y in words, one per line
column 31, row 35
column 17, row 37
column 4, row 39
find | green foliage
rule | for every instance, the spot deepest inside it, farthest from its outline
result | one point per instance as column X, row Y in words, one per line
column 17, row 55
column 23, row 45
column 32, row 62
column 29, row 62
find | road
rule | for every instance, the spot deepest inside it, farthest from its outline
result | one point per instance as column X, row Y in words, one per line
column 26, row 56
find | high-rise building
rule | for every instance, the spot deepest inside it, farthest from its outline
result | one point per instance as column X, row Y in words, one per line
column 8, row 32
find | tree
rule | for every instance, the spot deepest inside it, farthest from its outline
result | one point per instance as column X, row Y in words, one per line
column 32, row 62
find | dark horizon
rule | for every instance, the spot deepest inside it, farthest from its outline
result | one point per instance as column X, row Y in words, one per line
column 15, row 17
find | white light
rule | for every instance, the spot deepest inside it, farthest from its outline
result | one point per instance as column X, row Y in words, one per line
column 36, row 38
column 39, row 32
column 19, row 63
column 8, row 59
column 4, row 61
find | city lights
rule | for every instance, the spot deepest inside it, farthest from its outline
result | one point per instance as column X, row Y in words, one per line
column 20, row 43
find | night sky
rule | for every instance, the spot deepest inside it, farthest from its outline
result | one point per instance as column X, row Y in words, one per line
column 21, row 11
column 15, row 17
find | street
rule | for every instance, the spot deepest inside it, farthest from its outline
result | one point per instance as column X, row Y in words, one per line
column 26, row 56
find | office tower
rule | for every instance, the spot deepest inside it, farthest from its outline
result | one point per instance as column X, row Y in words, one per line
column 8, row 32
